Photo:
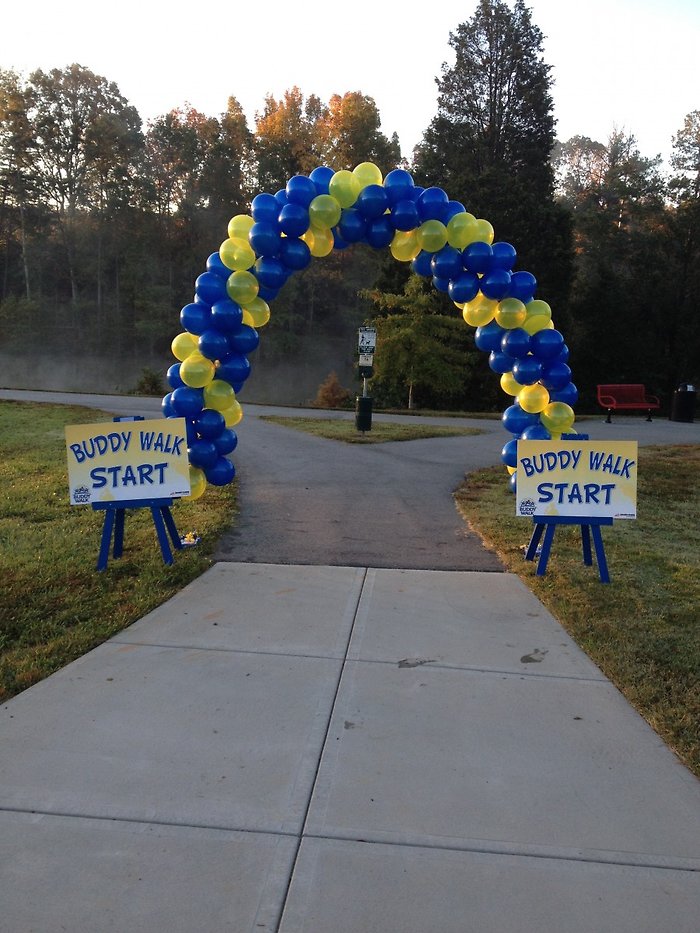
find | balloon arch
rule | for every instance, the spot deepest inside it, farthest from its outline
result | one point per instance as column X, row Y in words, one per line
column 329, row 210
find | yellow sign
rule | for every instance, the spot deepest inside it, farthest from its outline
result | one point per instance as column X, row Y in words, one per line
column 126, row 460
column 577, row 478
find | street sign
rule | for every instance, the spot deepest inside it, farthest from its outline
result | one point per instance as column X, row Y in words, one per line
column 366, row 359
column 367, row 339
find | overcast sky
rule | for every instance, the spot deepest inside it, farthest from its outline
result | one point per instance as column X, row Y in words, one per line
column 630, row 64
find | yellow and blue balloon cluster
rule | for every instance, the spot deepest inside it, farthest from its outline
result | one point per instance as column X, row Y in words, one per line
column 327, row 210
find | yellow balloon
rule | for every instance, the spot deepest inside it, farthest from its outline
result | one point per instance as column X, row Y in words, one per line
column 535, row 323
column 404, row 247
column 344, row 187
column 257, row 314
column 242, row 287
column 367, row 173
column 431, row 236
column 198, row 483
column 509, row 384
column 537, row 306
column 324, row 211
column 461, row 230
column 480, row 310
column 197, row 371
column 236, row 254
column 239, row 226
column 183, row 345
column 233, row 414
column 510, row 313
column 557, row 417
column 319, row 240
column 511, row 469
column 533, row 399
column 219, row 395
column 484, row 232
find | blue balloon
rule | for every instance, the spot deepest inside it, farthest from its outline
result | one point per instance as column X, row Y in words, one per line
column 515, row 419
column 226, row 442
column 209, row 287
column 421, row 264
column 380, row 233
column 404, row 216
column 267, row 294
column 399, row 186
column 556, row 376
column 215, row 265
column 464, row 287
column 500, row 362
column 202, row 454
column 527, row 371
column 523, row 285
column 196, row 317
column 535, row 432
column 213, row 344
column 226, row 316
column 569, row 394
column 300, row 190
column 453, row 208
column 281, row 198
column 446, row 263
column 245, row 340
column 513, row 482
column 270, row 272
column 235, row 369
column 352, row 225
column 187, row 402
column 495, row 284
column 338, row 241
column 547, row 344
column 516, row 342
column 488, row 338
column 442, row 285
column 321, row 177
column 476, row 257
column 265, row 208
column 503, row 256
column 173, row 376
column 372, row 201
column 295, row 254
column 166, row 406
column 209, row 423
column 294, row 220
column 509, row 453
column 265, row 239
column 221, row 473
column 190, row 429
column 433, row 204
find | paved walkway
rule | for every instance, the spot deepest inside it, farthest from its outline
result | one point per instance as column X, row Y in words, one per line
column 357, row 749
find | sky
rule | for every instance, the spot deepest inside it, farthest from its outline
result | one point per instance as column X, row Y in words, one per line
column 631, row 65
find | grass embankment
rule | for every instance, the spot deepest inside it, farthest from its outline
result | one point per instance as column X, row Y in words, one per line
column 643, row 630
column 54, row 605
column 382, row 431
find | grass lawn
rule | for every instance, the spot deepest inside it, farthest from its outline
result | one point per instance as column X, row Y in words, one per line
column 54, row 606
column 642, row 630
column 382, row 431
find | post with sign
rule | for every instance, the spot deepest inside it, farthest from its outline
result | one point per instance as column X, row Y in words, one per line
column 575, row 482
column 366, row 344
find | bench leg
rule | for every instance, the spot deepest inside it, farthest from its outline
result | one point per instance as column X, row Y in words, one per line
column 608, row 420
column 649, row 415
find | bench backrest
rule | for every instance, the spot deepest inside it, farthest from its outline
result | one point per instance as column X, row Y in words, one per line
column 623, row 393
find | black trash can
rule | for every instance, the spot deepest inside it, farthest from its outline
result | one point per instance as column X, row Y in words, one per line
column 683, row 405
column 363, row 412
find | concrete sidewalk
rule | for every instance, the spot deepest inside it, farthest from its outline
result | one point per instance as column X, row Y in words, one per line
column 342, row 750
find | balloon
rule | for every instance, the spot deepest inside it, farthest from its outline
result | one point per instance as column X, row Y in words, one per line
column 234, row 369
column 293, row 220
column 187, row 402
column 432, row 236
column 557, row 417
column 219, row 394
column 319, row 241
column 510, row 313
column 495, row 284
column 432, row 205
column 236, row 255
column 476, row 257
column 166, row 406
column 404, row 246
column 226, row 442
column 398, row 185
column 447, row 263
column 453, row 208
column 258, row 313
column 547, row 344
column 503, row 256
column 239, row 226
column 245, row 340
column 198, row 485
column 221, row 473
column 499, row 362
column 515, row 419
column 380, row 232
column 516, row 343
column 300, row 190
column 242, row 287
column 509, row 453
column 535, row 432
column 295, row 254
column 183, row 345
column 197, row 371
column 372, row 201
column 265, row 209
column 527, row 370
column 479, row 311
column 442, row 285
column 344, row 187
column 555, row 375
column 533, row 398
column 196, row 317
column 265, row 239
column 421, row 264
column 523, row 286
column 464, row 288
column 209, row 424
column 461, row 230
column 216, row 265
column 404, row 215
column 210, row 287
column 367, row 173
column 352, row 225
column 232, row 414
column 488, row 337
column 484, row 231
column 226, row 316
column 213, row 345
column 173, row 376
column 513, row 482
column 324, row 211
column 568, row 394
column 321, row 177
column 202, row 454
column 509, row 385
column 266, row 294
column 281, row 198
column 269, row 272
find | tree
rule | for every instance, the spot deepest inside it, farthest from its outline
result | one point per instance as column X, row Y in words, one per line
column 286, row 139
column 491, row 140
column 350, row 133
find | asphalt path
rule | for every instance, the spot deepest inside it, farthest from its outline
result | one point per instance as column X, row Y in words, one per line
column 309, row 500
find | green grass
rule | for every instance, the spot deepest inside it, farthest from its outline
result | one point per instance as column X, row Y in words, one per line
column 642, row 630
column 382, row 431
column 54, row 605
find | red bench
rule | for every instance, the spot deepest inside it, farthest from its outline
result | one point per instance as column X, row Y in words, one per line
column 626, row 398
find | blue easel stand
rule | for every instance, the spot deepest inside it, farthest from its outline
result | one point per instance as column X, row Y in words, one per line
column 115, row 513
column 589, row 526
